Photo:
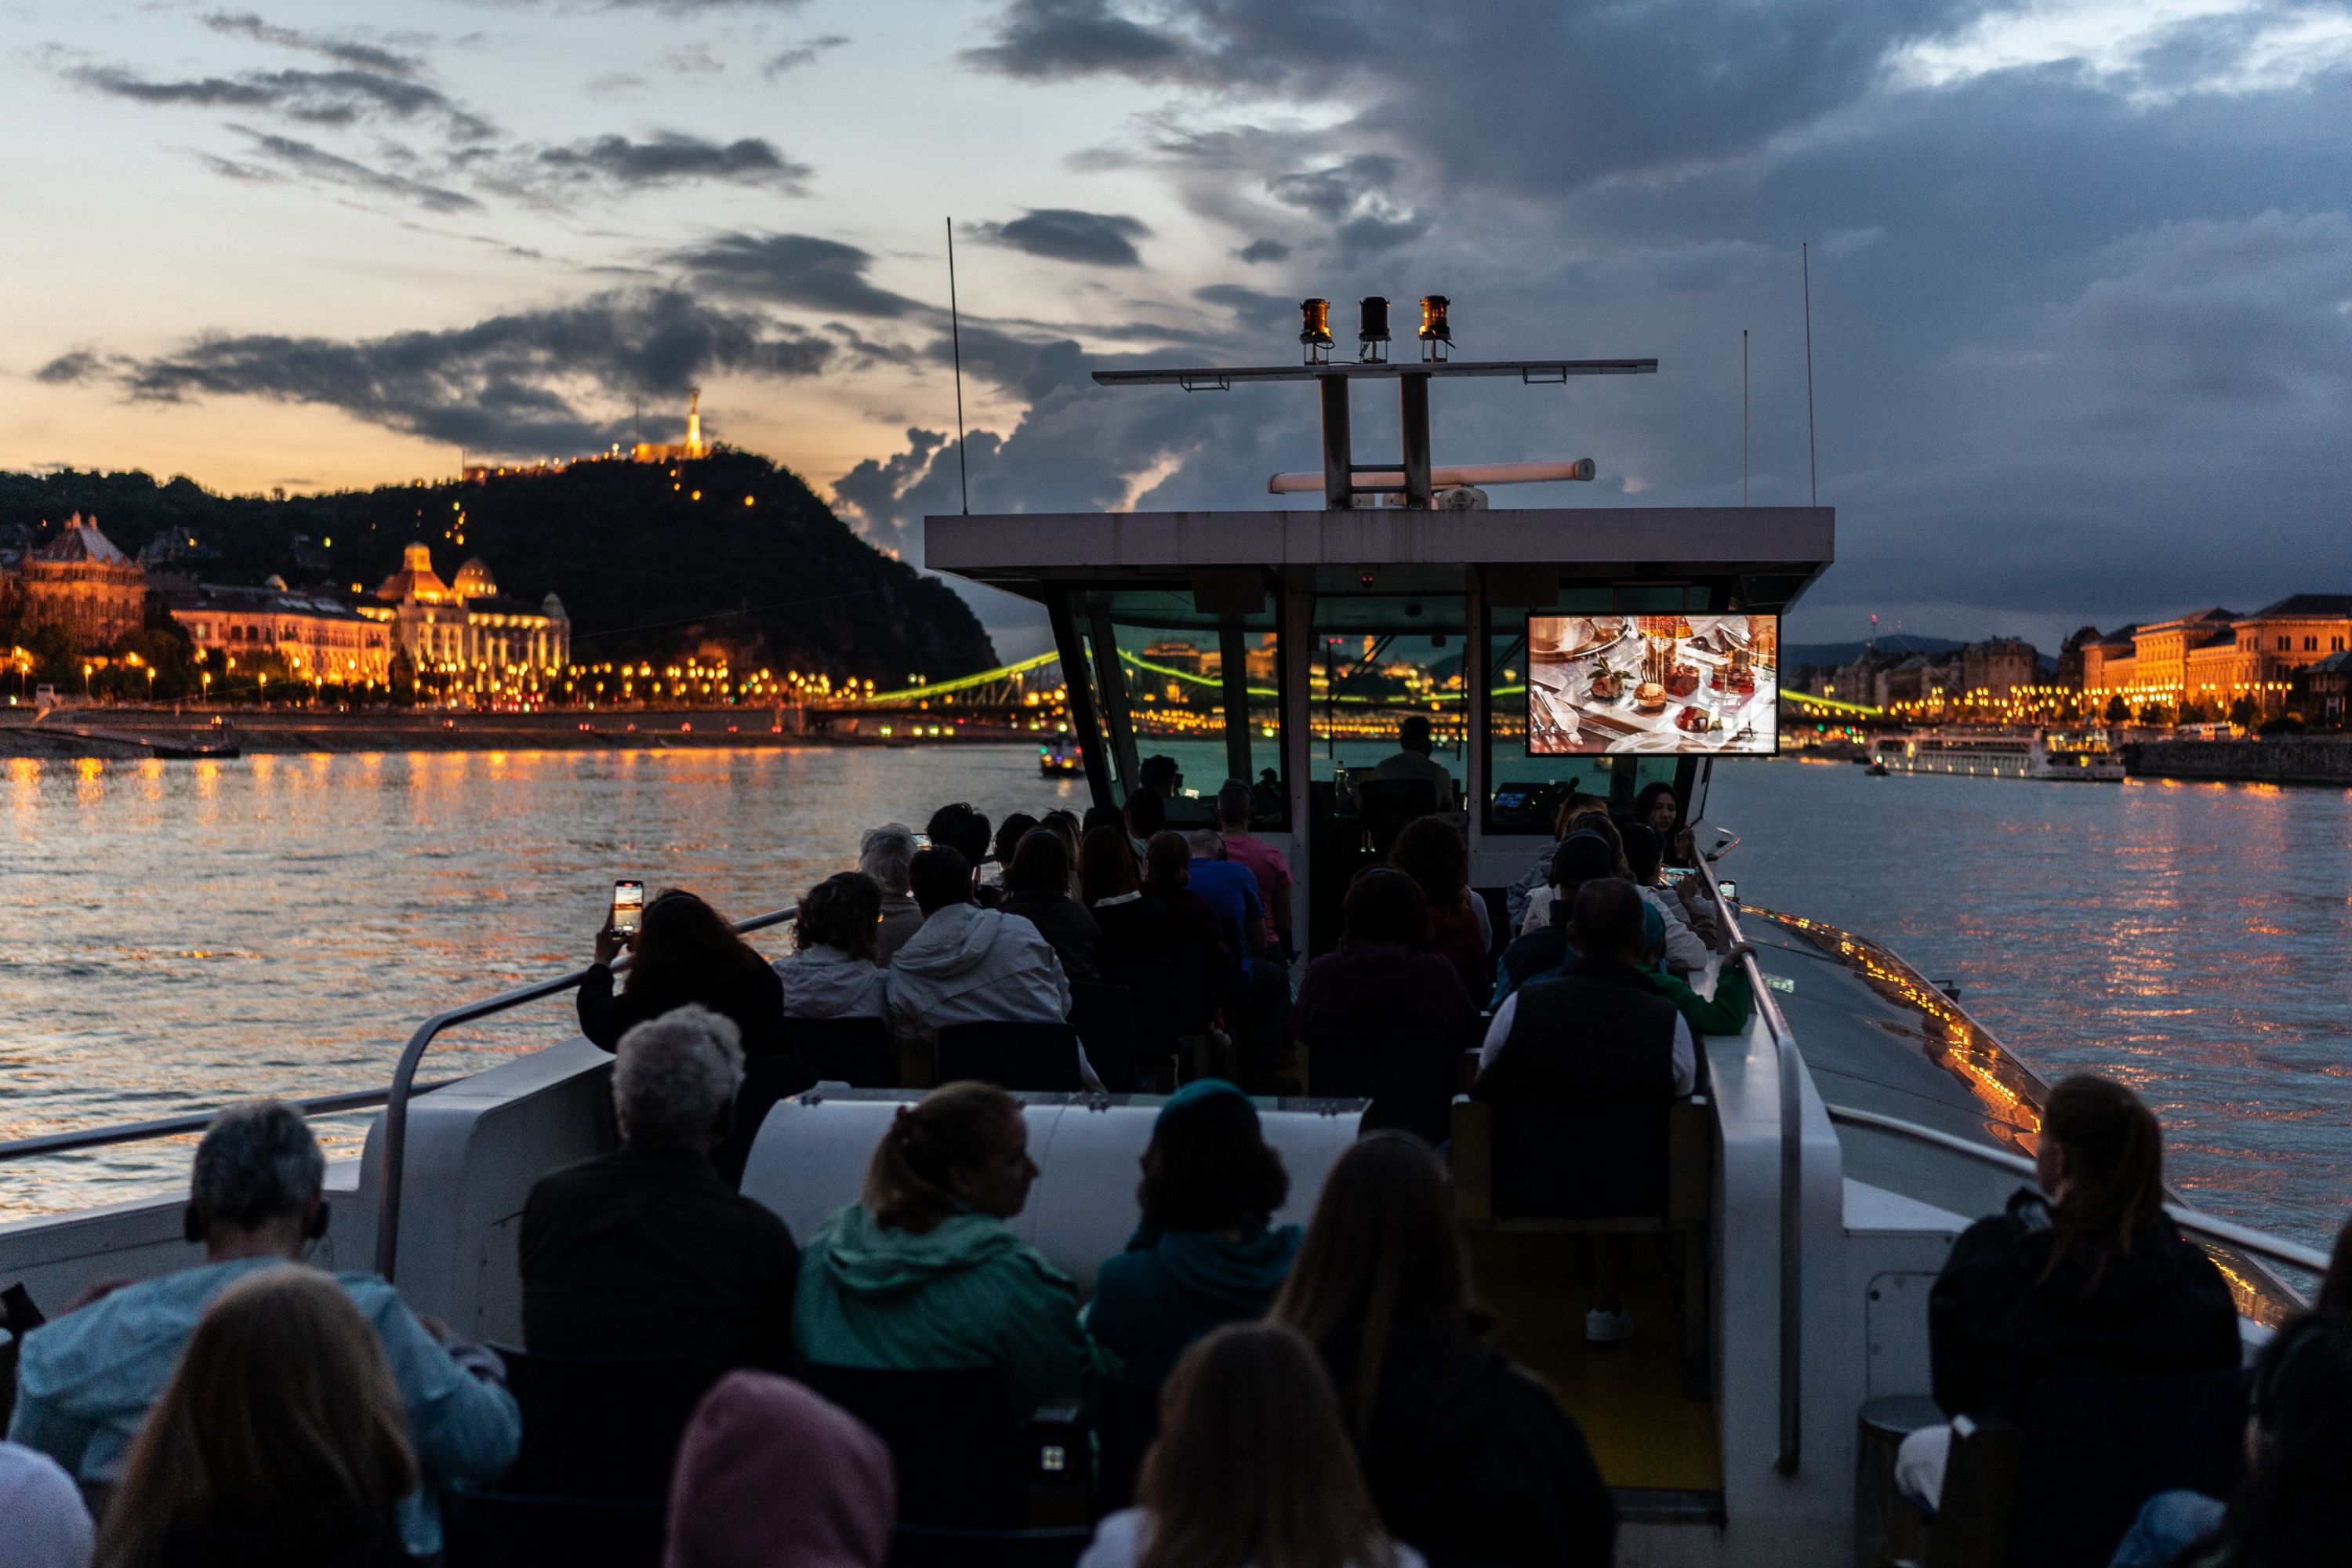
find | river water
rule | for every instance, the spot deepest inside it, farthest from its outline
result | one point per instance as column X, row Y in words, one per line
column 179, row 934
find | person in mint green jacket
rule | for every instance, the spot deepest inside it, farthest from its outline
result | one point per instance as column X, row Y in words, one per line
column 922, row 1272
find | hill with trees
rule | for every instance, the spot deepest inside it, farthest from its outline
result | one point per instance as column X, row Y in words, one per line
column 727, row 553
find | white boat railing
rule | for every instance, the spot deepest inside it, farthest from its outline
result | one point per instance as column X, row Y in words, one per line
column 1790, row 1069
column 2294, row 1254
column 404, row 1079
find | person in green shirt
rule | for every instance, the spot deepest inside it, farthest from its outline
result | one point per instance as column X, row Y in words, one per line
column 922, row 1272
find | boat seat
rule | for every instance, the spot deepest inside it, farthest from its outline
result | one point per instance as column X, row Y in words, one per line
column 1038, row 1056
column 1127, row 1422
column 931, row 1546
column 1409, row 1075
column 766, row 1080
column 599, row 1426
column 855, row 1051
column 2059, row 1489
column 482, row 1528
column 961, row 1458
column 1104, row 1017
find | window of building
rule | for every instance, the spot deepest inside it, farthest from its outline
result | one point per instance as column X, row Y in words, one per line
column 2311, row 645
column 2285, row 643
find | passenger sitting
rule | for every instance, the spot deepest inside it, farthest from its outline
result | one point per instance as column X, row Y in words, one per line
column 645, row 1251
column 1432, row 852
column 1196, row 944
column 1252, row 1466
column 831, row 971
column 1579, row 858
column 1264, row 862
column 1661, row 811
column 1205, row 1253
column 2291, row 1508
column 1690, row 929
column 1594, row 819
column 85, row 1382
column 1535, row 876
column 2091, row 1280
column 1037, row 890
column 1063, row 825
column 963, row 830
column 1133, row 929
column 884, row 854
column 923, row 1272
column 1228, row 889
column 1015, row 827
column 1411, row 760
column 278, row 1440
column 969, row 964
column 1467, row 1457
column 1145, row 816
column 48, row 1524
column 770, row 1475
column 685, row 951
column 1381, row 978
column 1594, row 1035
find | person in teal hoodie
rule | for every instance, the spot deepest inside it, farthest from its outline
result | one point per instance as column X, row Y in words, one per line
column 922, row 1272
column 1205, row 1255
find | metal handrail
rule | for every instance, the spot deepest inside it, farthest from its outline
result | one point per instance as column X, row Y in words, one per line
column 2245, row 1239
column 193, row 1122
column 1793, row 1170
column 403, row 1078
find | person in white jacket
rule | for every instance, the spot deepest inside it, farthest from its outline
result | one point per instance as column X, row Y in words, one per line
column 970, row 965
column 831, row 971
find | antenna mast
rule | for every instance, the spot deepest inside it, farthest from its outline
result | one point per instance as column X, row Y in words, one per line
column 1812, row 453
column 1743, row 416
column 955, row 328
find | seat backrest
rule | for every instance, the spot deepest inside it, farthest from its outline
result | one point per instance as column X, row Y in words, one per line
column 2093, row 1449
column 1126, row 1420
column 766, row 1080
column 483, row 1528
column 1387, row 804
column 1012, row 1055
column 1601, row 1160
column 855, row 1051
column 1104, row 1017
column 600, row 1426
column 960, row 1456
column 1409, row 1075
column 931, row 1546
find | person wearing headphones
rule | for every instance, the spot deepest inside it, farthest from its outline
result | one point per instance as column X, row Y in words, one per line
column 647, row 1250
column 255, row 1201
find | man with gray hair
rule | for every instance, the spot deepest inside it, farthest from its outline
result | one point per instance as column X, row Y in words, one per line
column 645, row 1250
column 886, row 853
column 256, row 1201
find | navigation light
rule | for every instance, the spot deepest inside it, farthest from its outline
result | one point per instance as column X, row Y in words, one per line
column 1372, row 328
column 1436, row 335
column 1315, row 330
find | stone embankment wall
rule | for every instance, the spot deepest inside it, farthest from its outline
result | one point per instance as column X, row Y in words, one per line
column 2280, row 759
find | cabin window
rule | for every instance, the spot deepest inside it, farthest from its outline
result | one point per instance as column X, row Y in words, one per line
column 1160, row 670
column 1377, row 662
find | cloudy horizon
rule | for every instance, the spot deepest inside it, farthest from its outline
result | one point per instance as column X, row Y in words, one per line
column 2082, row 270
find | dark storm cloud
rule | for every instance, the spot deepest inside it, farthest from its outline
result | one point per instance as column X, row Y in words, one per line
column 1064, row 233
column 347, row 51
column 669, row 157
column 792, row 269
column 1258, row 250
column 523, row 383
column 316, row 97
column 1044, row 40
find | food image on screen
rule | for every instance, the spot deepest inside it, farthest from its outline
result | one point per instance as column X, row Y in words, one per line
column 1695, row 684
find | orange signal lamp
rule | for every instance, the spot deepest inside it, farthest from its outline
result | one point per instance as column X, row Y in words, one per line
column 1437, row 334
column 1314, row 329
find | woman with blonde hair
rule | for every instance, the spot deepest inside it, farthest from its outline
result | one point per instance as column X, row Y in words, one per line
column 280, row 1440
column 1252, row 1468
column 924, row 1272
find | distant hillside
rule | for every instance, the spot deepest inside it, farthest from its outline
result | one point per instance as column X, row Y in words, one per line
column 1797, row 655
column 643, row 568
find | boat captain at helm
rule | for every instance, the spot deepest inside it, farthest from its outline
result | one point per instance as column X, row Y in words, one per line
column 1412, row 761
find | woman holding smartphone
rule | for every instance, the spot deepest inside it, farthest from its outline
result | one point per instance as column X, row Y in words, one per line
column 684, row 952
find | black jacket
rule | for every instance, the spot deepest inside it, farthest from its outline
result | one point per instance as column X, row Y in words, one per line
column 1064, row 921
column 752, row 996
column 651, row 1253
column 1471, row 1460
column 1995, row 1327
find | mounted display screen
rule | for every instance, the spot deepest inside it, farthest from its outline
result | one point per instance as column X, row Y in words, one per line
column 1703, row 685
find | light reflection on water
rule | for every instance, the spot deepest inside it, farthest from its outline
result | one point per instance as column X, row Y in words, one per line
column 180, row 934
column 2189, row 940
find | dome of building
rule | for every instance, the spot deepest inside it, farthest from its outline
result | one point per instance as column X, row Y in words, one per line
column 415, row 579
column 552, row 609
column 474, row 579
column 275, row 582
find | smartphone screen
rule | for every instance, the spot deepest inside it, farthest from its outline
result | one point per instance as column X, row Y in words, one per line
column 628, row 907
column 922, row 841
column 1730, row 890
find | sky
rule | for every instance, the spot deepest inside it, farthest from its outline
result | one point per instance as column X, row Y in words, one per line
column 2081, row 270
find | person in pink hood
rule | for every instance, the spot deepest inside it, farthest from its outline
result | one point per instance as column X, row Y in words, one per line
column 771, row 1476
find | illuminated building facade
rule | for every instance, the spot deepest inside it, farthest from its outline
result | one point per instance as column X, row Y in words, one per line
column 673, row 451
column 467, row 624
column 2214, row 656
column 80, row 581
column 316, row 637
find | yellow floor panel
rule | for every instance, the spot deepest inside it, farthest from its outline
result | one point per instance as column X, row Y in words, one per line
column 1628, row 1397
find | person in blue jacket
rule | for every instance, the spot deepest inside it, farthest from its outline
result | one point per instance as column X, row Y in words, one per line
column 1206, row 1253
column 84, row 1383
